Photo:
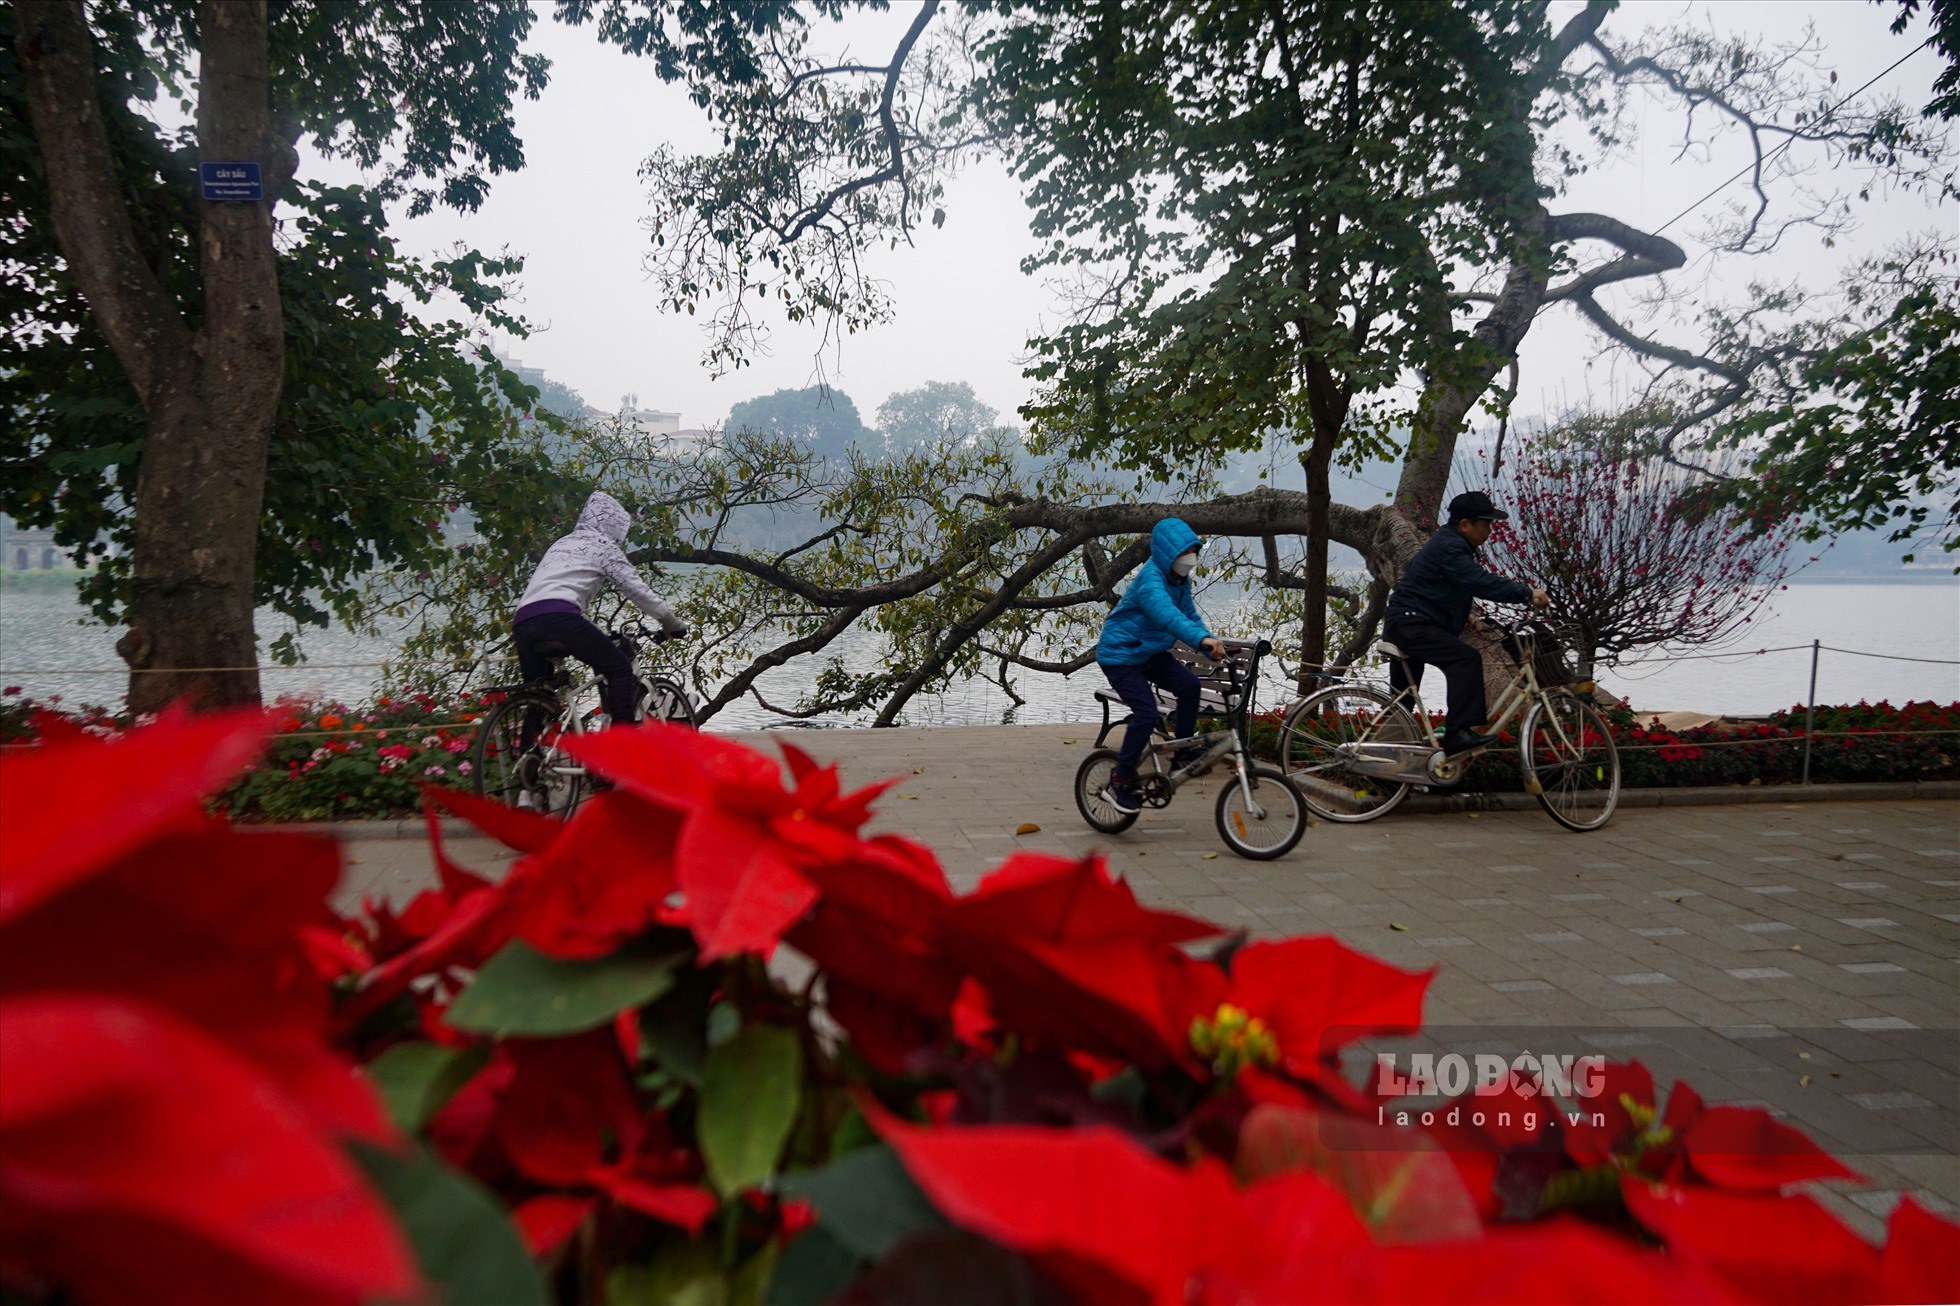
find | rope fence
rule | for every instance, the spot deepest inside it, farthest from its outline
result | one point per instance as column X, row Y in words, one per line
column 276, row 669
column 1808, row 738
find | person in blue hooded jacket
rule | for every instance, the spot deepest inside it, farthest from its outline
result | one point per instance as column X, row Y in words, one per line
column 1155, row 612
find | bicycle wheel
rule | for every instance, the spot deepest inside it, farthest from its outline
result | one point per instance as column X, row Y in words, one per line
column 1318, row 742
column 1570, row 762
column 1267, row 821
column 1090, row 780
column 539, row 777
column 663, row 699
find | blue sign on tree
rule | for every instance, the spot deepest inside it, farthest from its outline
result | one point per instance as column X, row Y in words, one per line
column 230, row 181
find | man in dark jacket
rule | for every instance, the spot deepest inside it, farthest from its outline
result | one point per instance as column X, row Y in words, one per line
column 1431, row 605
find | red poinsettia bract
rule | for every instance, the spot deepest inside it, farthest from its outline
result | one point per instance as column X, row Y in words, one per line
column 169, row 1112
column 1114, row 1223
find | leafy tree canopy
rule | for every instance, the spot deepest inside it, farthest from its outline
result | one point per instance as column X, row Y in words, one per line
column 390, row 413
column 822, row 418
column 938, row 411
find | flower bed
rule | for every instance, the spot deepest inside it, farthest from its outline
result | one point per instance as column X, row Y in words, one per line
column 325, row 761
column 583, row 1084
column 1860, row 743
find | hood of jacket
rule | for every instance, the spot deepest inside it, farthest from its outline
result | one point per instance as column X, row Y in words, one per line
column 1169, row 539
column 606, row 515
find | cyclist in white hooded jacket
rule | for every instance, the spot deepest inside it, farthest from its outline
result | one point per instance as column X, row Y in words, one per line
column 550, row 619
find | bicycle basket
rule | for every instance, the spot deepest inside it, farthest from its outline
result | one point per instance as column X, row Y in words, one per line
column 1555, row 661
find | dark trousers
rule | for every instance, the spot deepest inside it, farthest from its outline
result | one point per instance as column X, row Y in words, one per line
column 1427, row 644
column 555, row 634
column 1133, row 684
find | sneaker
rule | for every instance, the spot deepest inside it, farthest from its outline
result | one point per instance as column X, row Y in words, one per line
column 1465, row 741
column 1121, row 793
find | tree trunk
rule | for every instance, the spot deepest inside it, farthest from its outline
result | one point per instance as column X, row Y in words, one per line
column 1317, row 461
column 209, row 398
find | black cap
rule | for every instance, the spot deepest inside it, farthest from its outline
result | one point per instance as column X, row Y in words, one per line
column 1475, row 505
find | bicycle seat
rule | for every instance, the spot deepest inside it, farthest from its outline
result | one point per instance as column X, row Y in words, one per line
column 1391, row 649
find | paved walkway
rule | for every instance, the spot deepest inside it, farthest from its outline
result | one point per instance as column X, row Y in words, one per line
column 1805, row 956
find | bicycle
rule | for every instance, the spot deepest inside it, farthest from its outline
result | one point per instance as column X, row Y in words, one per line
column 1355, row 751
column 1260, row 813
column 518, row 757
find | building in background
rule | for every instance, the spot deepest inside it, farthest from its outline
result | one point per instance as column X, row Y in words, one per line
column 29, row 548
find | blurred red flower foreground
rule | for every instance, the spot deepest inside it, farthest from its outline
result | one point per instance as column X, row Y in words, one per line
column 584, row 1084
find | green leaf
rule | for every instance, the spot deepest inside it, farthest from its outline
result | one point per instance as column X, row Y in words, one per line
column 682, row 1273
column 463, row 1241
column 416, row 1079
column 749, row 1093
column 812, row 1270
column 865, row 1200
column 522, row 991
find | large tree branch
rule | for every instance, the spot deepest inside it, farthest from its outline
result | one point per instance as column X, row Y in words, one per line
column 888, row 125
column 1621, row 334
column 837, row 623
column 970, row 626
column 129, row 303
column 1643, row 254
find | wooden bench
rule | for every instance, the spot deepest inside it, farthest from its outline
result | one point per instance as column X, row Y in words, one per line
column 1216, row 698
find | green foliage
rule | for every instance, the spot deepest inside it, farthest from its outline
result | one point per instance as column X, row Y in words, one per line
column 521, row 991
column 1868, row 436
column 750, row 1089
column 824, row 419
column 416, row 1079
column 464, row 1243
column 1276, row 200
column 936, row 412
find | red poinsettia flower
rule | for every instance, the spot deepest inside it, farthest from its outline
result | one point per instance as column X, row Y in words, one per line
column 1741, row 1148
column 143, row 1160
column 1113, row 1223
column 561, row 1116
column 452, row 928
column 1067, row 955
column 71, row 806
column 878, row 932
column 168, row 1109
column 744, row 835
column 1770, row 1247
column 1294, row 1004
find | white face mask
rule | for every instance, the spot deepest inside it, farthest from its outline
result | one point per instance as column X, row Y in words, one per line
column 1185, row 565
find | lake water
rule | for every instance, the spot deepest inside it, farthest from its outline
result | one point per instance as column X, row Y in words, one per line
column 47, row 648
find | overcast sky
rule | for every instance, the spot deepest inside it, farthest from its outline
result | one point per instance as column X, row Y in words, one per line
column 964, row 310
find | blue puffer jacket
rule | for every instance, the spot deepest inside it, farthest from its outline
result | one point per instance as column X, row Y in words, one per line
column 1156, row 610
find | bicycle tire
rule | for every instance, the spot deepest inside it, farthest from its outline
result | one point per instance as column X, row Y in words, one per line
column 504, row 771
column 1328, row 720
column 1284, row 811
column 662, row 698
column 1090, row 778
column 1570, row 761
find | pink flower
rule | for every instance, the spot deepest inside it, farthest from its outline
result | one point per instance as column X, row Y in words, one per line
column 434, row 770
